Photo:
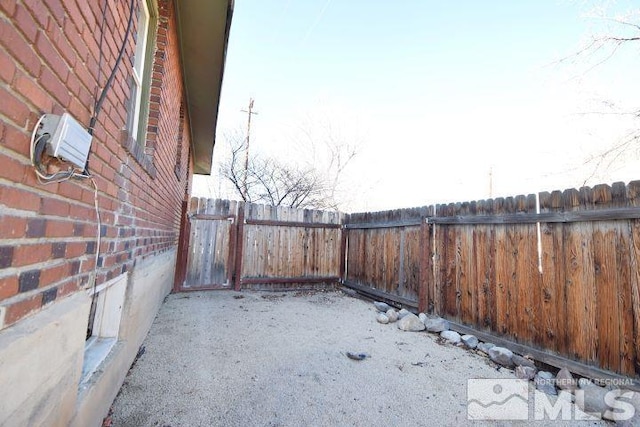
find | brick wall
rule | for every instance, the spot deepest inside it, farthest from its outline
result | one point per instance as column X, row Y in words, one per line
column 50, row 62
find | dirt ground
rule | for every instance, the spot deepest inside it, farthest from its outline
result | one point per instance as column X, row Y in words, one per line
column 271, row 359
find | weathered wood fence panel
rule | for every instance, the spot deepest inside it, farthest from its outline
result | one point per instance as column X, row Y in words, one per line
column 286, row 247
column 384, row 253
column 564, row 280
column 233, row 244
column 210, row 257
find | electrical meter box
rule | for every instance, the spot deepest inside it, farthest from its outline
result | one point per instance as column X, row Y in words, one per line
column 68, row 140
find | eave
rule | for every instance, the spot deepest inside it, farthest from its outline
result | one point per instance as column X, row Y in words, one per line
column 203, row 27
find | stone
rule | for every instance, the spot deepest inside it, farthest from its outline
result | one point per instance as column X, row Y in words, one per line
column 545, row 382
column 525, row 372
column 522, row 361
column 591, row 400
column 436, row 325
column 423, row 317
column 469, row 341
column 565, row 381
column 451, row 336
column 382, row 318
column 501, row 356
column 392, row 315
column 485, row 347
column 545, row 375
column 585, row 382
column 382, row 307
column 403, row 312
column 410, row 323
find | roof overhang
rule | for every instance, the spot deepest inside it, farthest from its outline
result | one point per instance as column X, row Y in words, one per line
column 204, row 34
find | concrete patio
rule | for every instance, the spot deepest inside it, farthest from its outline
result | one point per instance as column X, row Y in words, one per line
column 224, row 358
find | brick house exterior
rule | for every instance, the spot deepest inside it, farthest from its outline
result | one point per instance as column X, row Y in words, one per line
column 57, row 255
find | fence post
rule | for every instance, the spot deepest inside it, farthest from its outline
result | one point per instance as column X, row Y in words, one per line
column 343, row 254
column 425, row 272
column 239, row 242
column 183, row 247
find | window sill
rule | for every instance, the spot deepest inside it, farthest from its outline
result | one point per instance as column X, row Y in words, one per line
column 96, row 351
column 137, row 152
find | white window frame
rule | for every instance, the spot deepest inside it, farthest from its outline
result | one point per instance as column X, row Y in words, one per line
column 142, row 42
column 106, row 325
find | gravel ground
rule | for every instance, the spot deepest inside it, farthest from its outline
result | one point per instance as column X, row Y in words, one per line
column 271, row 359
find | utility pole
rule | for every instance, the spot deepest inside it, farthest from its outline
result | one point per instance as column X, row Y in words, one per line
column 249, row 112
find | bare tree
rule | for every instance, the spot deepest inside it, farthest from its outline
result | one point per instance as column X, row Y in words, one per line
column 615, row 33
column 274, row 182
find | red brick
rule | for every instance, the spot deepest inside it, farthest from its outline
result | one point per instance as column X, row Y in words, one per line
column 86, row 98
column 12, row 227
column 59, row 40
column 87, row 13
column 13, row 108
column 16, row 140
column 22, row 308
column 16, row 45
column 8, row 287
column 26, row 23
column 59, row 229
column 52, row 57
column 79, row 111
column 17, row 198
column 68, row 287
column 8, row 6
column 57, row 11
column 50, row 206
column 54, row 274
column 26, row 86
column 38, row 12
column 71, row 190
column 55, row 87
column 85, row 77
column 81, row 212
column 94, row 52
column 7, row 67
column 31, row 254
column 72, row 34
column 75, row 249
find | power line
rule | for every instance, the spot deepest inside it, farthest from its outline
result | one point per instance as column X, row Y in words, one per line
column 313, row 26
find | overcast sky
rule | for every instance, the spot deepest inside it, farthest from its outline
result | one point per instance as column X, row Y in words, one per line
column 448, row 100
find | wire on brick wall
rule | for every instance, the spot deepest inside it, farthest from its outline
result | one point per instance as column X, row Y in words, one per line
column 38, row 145
column 107, row 86
column 99, row 233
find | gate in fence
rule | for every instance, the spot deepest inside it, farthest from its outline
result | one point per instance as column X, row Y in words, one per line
column 235, row 245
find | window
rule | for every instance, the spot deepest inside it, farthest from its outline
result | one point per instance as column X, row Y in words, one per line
column 141, row 73
column 104, row 322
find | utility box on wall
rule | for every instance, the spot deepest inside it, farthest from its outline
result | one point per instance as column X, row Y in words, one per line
column 68, row 140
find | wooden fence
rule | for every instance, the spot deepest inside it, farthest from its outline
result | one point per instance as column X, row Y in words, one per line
column 238, row 245
column 564, row 280
column 556, row 275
